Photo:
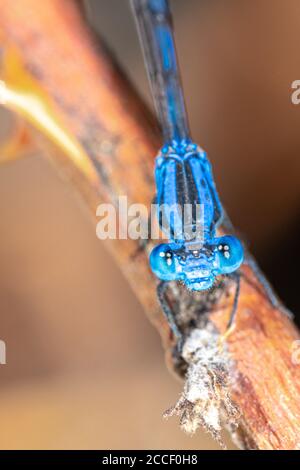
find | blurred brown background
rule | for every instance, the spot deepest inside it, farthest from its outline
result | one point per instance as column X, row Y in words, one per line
column 84, row 367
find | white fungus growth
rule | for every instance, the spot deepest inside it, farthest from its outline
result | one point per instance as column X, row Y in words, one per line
column 205, row 400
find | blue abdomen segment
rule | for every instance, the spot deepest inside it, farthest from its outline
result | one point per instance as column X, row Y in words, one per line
column 155, row 29
column 187, row 199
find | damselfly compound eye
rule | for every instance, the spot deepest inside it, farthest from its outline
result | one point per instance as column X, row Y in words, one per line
column 162, row 262
column 229, row 254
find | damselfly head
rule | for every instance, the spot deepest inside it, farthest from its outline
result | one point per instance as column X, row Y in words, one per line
column 196, row 266
column 173, row 262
